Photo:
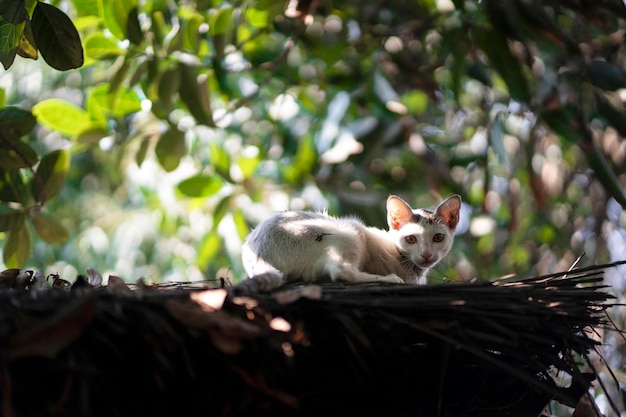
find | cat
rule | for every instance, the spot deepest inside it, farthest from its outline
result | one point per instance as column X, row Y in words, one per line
column 315, row 247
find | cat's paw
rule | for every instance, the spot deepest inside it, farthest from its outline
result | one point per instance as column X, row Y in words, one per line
column 392, row 278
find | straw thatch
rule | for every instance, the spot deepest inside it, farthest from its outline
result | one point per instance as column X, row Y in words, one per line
column 484, row 349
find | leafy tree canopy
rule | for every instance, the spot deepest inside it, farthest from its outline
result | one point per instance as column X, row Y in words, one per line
column 156, row 134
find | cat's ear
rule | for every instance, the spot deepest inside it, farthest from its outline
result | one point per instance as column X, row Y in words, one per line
column 449, row 210
column 398, row 212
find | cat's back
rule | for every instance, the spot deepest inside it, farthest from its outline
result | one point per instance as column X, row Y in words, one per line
column 296, row 243
column 298, row 225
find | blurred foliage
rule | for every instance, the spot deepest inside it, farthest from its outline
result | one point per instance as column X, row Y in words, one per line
column 190, row 121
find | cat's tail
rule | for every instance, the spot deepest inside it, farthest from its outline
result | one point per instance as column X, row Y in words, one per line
column 266, row 281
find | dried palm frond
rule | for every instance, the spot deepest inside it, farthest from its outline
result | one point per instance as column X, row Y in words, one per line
column 481, row 349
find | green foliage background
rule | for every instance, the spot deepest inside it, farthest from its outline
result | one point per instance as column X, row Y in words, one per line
column 153, row 136
column 187, row 123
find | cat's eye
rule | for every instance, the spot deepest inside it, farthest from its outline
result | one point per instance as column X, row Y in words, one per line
column 410, row 239
column 439, row 237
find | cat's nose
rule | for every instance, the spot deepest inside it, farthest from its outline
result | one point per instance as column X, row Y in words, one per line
column 426, row 255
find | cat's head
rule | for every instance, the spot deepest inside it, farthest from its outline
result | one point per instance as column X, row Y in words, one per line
column 424, row 236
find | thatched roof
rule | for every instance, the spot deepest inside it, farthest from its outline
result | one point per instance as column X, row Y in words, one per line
column 483, row 349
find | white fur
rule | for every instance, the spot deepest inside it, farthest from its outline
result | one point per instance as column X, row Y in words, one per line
column 315, row 247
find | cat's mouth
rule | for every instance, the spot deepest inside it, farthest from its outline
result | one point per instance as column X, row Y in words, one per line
column 427, row 263
column 418, row 264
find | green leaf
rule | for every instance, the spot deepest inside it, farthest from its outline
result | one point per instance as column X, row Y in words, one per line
column 62, row 116
column 91, row 135
column 102, row 105
column 13, row 11
column 97, row 104
column 194, row 92
column 15, row 34
column 248, row 165
column 159, row 27
column 200, row 186
column 8, row 217
column 99, row 46
column 56, row 37
column 11, row 187
column 222, row 208
column 257, row 18
column 16, row 154
column 167, row 86
column 88, row 24
column 170, row 149
column 116, row 15
column 9, row 41
column 18, row 245
column 15, row 122
column 192, row 36
column 50, row 175
column 86, row 7
column 49, row 228
column 221, row 21
column 133, row 29
column 241, row 224
column 128, row 102
column 209, row 247
column 118, row 79
column 144, row 146
column 27, row 47
column 30, row 6
column 220, row 159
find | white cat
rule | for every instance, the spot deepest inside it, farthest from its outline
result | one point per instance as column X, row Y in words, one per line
column 315, row 247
